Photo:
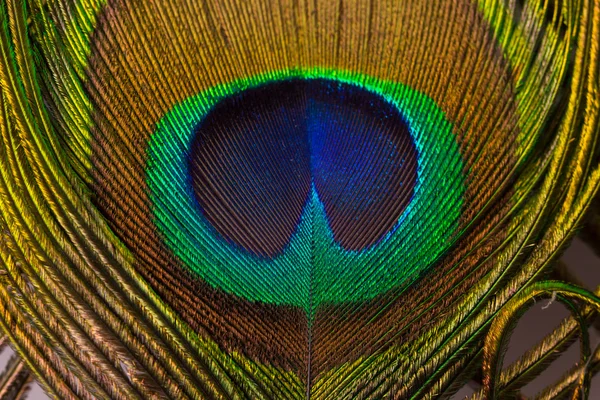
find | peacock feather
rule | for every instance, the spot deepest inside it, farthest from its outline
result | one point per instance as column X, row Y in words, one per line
column 246, row 199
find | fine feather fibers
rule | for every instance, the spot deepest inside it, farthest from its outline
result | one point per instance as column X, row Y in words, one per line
column 286, row 199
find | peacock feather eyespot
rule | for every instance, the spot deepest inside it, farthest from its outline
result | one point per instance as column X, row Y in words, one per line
column 310, row 177
column 288, row 199
column 228, row 221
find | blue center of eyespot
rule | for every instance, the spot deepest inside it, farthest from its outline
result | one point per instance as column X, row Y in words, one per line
column 306, row 187
column 257, row 154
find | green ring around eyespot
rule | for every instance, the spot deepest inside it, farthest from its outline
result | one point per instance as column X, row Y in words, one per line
column 308, row 275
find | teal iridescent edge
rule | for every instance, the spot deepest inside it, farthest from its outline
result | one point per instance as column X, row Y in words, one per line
column 313, row 269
